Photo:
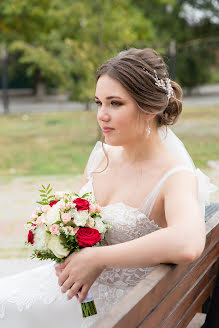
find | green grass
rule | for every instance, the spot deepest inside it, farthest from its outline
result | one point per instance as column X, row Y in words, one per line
column 60, row 143
column 201, row 113
column 49, row 143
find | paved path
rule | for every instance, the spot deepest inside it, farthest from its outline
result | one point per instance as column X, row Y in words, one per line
column 55, row 103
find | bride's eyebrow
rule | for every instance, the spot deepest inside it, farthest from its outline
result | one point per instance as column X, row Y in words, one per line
column 110, row 97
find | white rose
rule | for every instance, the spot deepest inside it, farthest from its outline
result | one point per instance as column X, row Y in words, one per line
column 80, row 218
column 41, row 238
column 72, row 212
column 99, row 225
column 56, row 247
column 52, row 215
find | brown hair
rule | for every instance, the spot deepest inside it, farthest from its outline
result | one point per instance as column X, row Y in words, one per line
column 127, row 68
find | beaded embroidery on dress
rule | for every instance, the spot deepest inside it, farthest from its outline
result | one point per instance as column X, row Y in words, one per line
column 34, row 298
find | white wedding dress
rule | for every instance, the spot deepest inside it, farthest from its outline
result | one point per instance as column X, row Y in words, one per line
column 33, row 298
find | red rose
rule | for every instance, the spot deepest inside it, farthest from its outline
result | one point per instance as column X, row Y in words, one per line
column 30, row 237
column 53, row 203
column 88, row 237
column 81, row 204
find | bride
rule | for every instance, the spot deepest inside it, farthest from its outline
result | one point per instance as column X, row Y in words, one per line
column 149, row 190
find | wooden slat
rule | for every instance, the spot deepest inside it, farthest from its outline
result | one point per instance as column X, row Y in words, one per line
column 190, row 313
column 204, row 283
column 143, row 299
column 187, row 282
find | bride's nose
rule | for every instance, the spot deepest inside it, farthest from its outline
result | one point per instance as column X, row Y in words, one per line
column 103, row 114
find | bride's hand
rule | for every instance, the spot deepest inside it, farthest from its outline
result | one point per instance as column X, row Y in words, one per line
column 78, row 272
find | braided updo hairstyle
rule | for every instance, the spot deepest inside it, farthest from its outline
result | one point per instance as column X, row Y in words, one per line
column 126, row 68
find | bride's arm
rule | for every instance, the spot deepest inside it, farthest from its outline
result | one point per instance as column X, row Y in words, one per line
column 183, row 239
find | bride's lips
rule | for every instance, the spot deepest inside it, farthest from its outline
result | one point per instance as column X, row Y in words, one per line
column 106, row 130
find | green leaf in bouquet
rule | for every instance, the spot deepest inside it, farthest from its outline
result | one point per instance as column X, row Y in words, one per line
column 57, row 222
column 41, row 203
column 28, row 244
column 45, row 255
column 95, row 214
column 52, row 196
column 45, row 194
column 85, row 195
column 70, row 242
column 70, row 224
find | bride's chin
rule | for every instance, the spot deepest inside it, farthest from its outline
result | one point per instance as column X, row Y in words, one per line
column 114, row 144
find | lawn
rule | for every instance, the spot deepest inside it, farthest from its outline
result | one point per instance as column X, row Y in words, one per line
column 48, row 143
column 60, row 143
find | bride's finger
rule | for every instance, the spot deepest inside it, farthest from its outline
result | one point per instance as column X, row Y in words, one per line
column 67, row 285
column 83, row 293
column 63, row 277
column 58, row 270
column 74, row 290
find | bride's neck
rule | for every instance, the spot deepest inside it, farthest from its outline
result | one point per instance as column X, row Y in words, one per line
column 148, row 148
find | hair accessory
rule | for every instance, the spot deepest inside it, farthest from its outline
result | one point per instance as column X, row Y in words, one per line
column 163, row 83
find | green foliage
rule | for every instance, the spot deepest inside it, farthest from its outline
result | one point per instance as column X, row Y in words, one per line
column 45, row 255
column 65, row 42
column 45, row 194
column 196, row 42
column 193, row 65
column 70, row 242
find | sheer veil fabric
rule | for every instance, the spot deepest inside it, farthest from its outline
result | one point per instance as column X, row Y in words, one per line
column 175, row 145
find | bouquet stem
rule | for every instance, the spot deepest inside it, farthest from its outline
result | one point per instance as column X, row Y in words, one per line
column 88, row 309
column 88, row 306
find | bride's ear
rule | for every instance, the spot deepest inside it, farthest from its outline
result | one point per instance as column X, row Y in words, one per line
column 149, row 116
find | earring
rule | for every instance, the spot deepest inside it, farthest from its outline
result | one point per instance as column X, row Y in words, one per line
column 148, row 130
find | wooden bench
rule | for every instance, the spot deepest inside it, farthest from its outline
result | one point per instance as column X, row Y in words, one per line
column 171, row 294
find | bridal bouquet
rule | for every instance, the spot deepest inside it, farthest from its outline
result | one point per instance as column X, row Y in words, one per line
column 64, row 223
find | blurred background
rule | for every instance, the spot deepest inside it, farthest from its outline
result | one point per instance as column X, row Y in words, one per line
column 49, row 53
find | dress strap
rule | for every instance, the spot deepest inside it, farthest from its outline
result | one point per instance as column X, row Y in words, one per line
column 149, row 201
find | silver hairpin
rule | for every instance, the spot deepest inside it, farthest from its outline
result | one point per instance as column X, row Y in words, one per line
column 163, row 83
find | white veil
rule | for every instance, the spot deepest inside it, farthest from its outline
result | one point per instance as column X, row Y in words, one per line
column 175, row 145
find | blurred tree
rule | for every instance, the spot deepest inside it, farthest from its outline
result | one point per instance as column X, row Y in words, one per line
column 98, row 31
column 193, row 24
column 65, row 42
column 26, row 27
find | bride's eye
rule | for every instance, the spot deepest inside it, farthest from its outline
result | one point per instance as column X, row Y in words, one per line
column 116, row 103
column 98, row 103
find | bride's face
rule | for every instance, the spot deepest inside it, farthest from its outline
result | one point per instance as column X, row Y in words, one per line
column 118, row 110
